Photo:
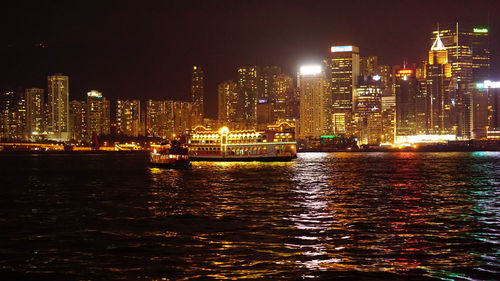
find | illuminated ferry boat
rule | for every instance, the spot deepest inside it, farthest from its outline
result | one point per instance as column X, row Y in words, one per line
column 171, row 155
column 276, row 143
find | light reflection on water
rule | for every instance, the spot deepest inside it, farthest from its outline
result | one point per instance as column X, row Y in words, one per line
column 324, row 215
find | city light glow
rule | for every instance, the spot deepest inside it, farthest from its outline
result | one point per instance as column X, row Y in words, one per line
column 310, row 69
column 425, row 139
column 488, row 84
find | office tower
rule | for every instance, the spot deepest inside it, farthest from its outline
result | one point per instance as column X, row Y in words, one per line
column 35, row 111
column 386, row 79
column 406, row 93
column 388, row 119
column 265, row 113
column 367, row 115
column 421, row 99
column 342, row 75
column 231, row 107
column 314, row 102
column 439, row 87
column 486, row 109
column 197, row 94
column 368, row 66
column 468, row 50
column 128, row 117
column 78, row 121
column 480, row 54
column 469, row 57
column 292, row 104
column 98, row 114
column 58, row 107
column 159, row 119
column 248, row 81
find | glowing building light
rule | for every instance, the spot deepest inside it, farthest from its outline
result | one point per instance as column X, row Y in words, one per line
column 405, row 71
column 224, row 130
column 488, row 84
column 310, row 69
column 480, row 30
column 336, row 49
column 94, row 94
column 376, row 77
column 425, row 139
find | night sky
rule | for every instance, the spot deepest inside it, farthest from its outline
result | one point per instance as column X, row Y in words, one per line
column 145, row 49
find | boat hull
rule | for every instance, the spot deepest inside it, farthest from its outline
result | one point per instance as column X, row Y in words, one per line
column 243, row 158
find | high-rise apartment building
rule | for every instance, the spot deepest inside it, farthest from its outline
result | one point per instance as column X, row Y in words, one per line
column 35, row 111
column 58, row 107
column 159, row 119
column 98, row 114
column 197, row 94
column 78, row 121
column 128, row 118
column 230, row 106
column 248, row 88
column 281, row 91
column 314, row 102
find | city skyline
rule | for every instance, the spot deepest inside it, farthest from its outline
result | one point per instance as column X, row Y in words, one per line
column 95, row 60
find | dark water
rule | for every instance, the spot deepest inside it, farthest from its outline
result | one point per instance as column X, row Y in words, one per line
column 343, row 216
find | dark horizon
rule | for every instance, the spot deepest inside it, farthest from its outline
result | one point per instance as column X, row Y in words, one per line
column 127, row 50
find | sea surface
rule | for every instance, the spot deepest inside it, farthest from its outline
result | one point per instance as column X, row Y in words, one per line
column 323, row 216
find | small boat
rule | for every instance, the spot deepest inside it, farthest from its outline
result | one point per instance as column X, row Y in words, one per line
column 172, row 155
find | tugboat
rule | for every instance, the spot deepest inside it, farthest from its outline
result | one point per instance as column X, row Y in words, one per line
column 173, row 156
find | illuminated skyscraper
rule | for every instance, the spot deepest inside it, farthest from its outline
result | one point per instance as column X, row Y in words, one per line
column 159, row 119
column 342, row 74
column 78, row 121
column 281, row 91
column 7, row 111
column 469, row 57
column 368, row 66
column 439, row 87
column 183, row 117
column 367, row 115
column 58, row 107
column 486, row 109
column 480, row 54
column 468, row 50
column 230, row 106
column 128, row 117
column 248, row 88
column 314, row 102
column 406, row 93
column 35, row 111
column 197, row 94
column 98, row 114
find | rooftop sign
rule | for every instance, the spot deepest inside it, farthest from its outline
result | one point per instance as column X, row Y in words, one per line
column 336, row 49
column 480, row 30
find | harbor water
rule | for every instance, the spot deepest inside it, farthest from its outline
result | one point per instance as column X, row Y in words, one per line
column 323, row 216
